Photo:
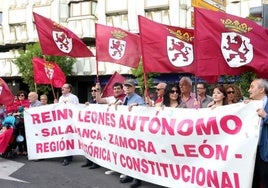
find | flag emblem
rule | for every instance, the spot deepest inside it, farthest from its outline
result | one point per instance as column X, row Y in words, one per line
column 179, row 52
column 117, row 48
column 49, row 70
column 236, row 49
column 63, row 42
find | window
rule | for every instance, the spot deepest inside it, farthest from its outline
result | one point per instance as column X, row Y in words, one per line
column 161, row 16
column 118, row 21
column 116, row 6
column 82, row 8
column 156, row 5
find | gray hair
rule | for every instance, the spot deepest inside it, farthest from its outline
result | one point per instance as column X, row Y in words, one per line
column 263, row 83
column 186, row 79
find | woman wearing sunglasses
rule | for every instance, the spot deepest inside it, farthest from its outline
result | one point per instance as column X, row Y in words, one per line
column 17, row 109
column 21, row 101
column 233, row 94
column 172, row 96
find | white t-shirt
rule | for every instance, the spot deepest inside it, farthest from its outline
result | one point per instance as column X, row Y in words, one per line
column 112, row 100
column 71, row 98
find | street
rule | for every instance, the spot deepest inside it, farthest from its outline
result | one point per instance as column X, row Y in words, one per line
column 19, row 172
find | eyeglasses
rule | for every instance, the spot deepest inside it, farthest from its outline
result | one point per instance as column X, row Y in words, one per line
column 229, row 92
column 94, row 90
column 173, row 91
column 158, row 89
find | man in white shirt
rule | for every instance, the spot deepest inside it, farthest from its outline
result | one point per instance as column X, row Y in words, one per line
column 116, row 98
column 67, row 96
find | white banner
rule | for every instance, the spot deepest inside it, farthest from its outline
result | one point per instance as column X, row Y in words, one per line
column 172, row 147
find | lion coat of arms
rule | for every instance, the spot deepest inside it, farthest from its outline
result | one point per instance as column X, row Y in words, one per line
column 180, row 53
column 236, row 49
column 63, row 42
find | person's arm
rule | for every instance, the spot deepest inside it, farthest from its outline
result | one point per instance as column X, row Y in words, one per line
column 149, row 102
column 98, row 98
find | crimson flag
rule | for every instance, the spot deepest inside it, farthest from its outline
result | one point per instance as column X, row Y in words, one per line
column 229, row 45
column 5, row 138
column 57, row 40
column 108, row 89
column 165, row 48
column 116, row 45
column 48, row 73
column 6, row 96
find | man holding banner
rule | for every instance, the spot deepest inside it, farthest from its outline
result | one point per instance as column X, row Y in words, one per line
column 67, row 96
column 258, row 91
column 131, row 99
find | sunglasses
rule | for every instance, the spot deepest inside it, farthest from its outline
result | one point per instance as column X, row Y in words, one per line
column 229, row 92
column 94, row 90
column 173, row 91
column 21, row 95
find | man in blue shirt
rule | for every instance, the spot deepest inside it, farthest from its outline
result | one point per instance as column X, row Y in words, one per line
column 131, row 99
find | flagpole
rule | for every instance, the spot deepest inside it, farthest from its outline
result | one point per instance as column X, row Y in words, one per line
column 195, row 87
column 35, row 87
column 97, row 62
column 52, row 88
column 97, row 72
column 145, row 85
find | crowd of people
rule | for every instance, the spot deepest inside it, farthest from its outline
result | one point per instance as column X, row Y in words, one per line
column 12, row 117
column 175, row 95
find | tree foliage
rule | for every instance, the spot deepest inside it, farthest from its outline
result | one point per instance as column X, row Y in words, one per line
column 24, row 64
column 245, row 80
column 139, row 74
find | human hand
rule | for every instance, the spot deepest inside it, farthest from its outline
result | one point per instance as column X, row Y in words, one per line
column 261, row 113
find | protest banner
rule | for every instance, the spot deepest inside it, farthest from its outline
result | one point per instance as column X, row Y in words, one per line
column 171, row 147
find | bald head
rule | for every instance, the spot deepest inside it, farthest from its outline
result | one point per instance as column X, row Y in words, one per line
column 160, row 89
column 32, row 96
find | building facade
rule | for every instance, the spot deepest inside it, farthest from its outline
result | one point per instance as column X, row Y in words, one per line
column 17, row 29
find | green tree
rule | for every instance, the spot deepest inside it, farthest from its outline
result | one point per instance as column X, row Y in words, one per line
column 24, row 64
column 244, row 82
column 139, row 74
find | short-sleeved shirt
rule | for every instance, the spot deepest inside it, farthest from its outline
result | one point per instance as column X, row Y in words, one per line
column 71, row 98
column 115, row 100
column 190, row 102
column 35, row 103
column 135, row 98
column 206, row 101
